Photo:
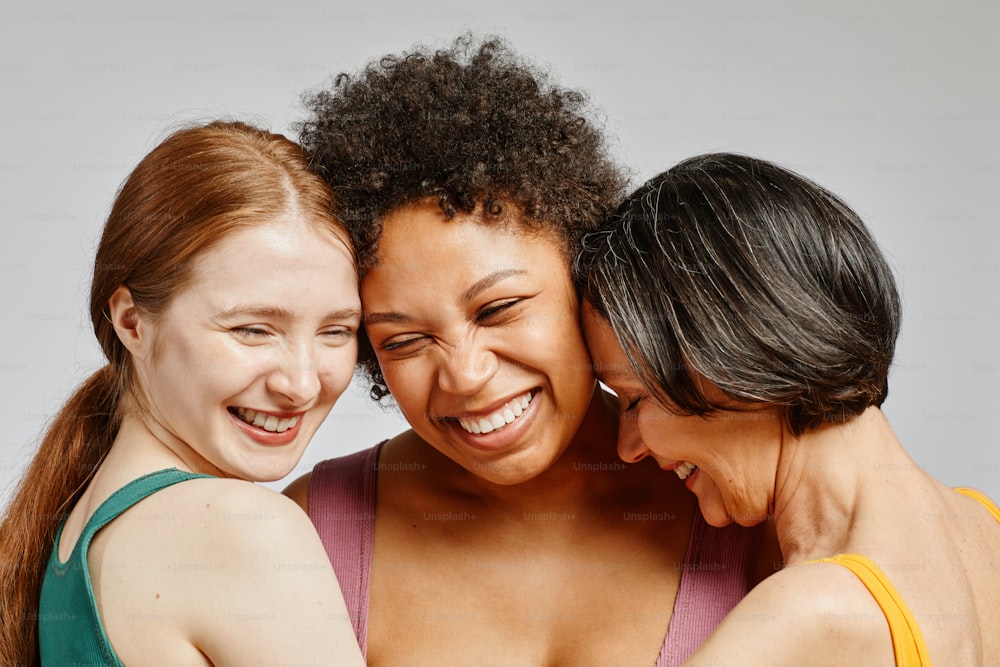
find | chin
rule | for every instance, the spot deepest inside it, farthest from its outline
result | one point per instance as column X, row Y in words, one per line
column 716, row 519
column 510, row 470
column 271, row 471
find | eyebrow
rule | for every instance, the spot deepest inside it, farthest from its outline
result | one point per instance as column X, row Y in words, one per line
column 278, row 313
column 390, row 317
column 489, row 281
column 395, row 317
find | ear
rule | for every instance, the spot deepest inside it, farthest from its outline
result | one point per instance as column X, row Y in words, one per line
column 134, row 333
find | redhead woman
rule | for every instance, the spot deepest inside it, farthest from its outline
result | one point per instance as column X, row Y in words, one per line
column 225, row 299
column 500, row 526
column 747, row 320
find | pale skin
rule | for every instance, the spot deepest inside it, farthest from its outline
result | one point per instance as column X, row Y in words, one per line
column 840, row 488
column 220, row 571
column 513, row 545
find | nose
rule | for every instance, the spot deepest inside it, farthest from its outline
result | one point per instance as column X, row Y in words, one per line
column 296, row 375
column 631, row 448
column 466, row 368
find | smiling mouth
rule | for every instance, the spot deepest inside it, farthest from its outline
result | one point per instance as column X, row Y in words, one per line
column 685, row 469
column 495, row 421
column 264, row 421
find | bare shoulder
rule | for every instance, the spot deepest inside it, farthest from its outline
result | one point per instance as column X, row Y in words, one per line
column 235, row 521
column 815, row 614
column 229, row 504
column 229, row 569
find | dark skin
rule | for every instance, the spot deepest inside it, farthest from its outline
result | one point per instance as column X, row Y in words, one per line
column 546, row 572
column 547, row 549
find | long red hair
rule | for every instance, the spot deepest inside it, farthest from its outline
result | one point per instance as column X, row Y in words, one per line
column 195, row 187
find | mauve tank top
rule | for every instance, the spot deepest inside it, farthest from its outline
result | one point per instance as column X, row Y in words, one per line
column 342, row 507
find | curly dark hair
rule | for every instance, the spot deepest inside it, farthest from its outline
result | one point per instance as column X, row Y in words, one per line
column 474, row 126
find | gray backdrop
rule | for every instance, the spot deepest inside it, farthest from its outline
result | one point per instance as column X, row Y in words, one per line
column 892, row 106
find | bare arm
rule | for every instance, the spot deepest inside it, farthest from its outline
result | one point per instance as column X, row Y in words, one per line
column 817, row 614
column 277, row 601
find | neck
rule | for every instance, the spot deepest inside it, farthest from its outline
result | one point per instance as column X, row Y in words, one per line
column 825, row 479
column 139, row 449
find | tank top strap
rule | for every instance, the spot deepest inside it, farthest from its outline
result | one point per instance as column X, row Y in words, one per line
column 70, row 629
column 342, row 509
column 982, row 499
column 908, row 642
column 132, row 493
column 714, row 578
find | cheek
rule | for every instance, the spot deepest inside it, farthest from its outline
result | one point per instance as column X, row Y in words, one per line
column 408, row 379
column 191, row 364
column 553, row 346
column 559, row 327
column 338, row 366
column 655, row 430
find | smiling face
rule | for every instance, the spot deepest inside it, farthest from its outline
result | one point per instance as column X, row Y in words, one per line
column 477, row 334
column 728, row 459
column 249, row 357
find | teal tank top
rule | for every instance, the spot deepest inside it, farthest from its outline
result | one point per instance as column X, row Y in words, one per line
column 70, row 631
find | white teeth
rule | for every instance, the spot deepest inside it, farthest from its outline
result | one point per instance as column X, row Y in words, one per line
column 685, row 469
column 505, row 415
column 265, row 421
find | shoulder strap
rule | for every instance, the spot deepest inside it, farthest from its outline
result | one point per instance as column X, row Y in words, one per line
column 713, row 580
column 982, row 499
column 342, row 508
column 129, row 495
column 69, row 622
column 907, row 639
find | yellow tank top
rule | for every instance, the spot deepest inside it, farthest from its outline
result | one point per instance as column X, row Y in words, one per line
column 907, row 640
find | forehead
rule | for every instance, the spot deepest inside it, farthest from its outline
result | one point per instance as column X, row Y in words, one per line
column 284, row 256
column 611, row 365
column 421, row 238
column 260, row 245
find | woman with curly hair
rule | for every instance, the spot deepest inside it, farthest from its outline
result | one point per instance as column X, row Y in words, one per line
column 747, row 320
column 501, row 525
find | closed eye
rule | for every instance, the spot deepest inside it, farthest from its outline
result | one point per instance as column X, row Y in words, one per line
column 401, row 344
column 339, row 335
column 339, row 331
column 250, row 332
column 491, row 310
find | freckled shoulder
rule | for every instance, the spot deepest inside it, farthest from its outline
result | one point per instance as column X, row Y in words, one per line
column 263, row 588
column 227, row 518
column 816, row 614
column 243, row 512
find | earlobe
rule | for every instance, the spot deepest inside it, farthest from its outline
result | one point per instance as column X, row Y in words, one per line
column 124, row 317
